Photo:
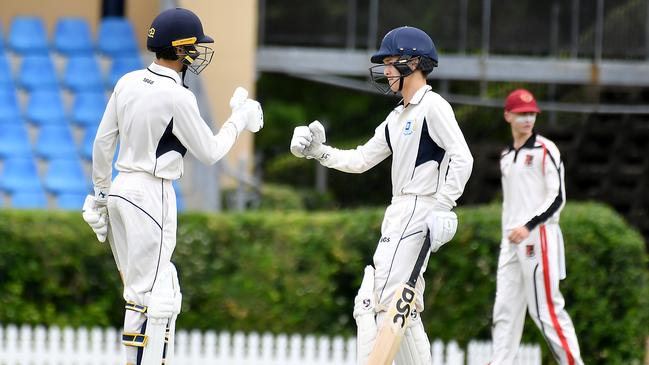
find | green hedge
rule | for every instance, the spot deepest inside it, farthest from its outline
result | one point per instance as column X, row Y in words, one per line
column 298, row 272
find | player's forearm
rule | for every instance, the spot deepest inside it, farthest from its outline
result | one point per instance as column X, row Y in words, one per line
column 351, row 161
column 103, row 151
column 552, row 204
column 101, row 168
column 459, row 171
column 217, row 145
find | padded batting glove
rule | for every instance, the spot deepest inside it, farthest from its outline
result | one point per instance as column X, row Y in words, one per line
column 101, row 197
column 161, row 304
column 442, row 226
column 246, row 113
column 308, row 141
column 315, row 149
column 96, row 215
column 301, row 140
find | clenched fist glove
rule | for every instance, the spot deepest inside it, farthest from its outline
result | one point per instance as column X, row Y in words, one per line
column 96, row 215
column 442, row 226
column 246, row 113
column 301, row 140
column 308, row 141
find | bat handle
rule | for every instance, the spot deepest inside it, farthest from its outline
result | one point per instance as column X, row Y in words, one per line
column 425, row 248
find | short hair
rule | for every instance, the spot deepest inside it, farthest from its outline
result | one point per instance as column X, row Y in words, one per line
column 426, row 65
column 165, row 53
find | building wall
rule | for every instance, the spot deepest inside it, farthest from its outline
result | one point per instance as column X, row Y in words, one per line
column 234, row 64
column 50, row 11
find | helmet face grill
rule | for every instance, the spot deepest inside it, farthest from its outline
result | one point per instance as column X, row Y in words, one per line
column 384, row 83
column 196, row 57
column 380, row 80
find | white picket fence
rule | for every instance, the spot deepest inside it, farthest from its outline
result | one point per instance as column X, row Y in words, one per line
column 54, row 346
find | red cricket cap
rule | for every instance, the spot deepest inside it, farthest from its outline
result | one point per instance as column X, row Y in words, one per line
column 521, row 101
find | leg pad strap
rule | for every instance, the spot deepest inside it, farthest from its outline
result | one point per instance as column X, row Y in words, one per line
column 134, row 339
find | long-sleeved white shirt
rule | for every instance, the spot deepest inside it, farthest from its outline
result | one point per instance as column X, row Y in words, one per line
column 430, row 156
column 157, row 121
column 533, row 184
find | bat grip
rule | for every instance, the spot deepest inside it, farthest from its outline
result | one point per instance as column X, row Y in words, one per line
column 414, row 275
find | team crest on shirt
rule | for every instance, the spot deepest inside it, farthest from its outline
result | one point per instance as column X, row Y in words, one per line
column 528, row 160
column 529, row 250
column 409, row 128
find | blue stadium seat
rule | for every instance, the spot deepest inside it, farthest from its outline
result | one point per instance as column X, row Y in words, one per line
column 72, row 36
column 70, row 201
column 66, row 176
column 29, row 200
column 14, row 141
column 114, row 169
column 6, row 75
column 87, row 142
column 45, row 107
column 88, row 108
column 180, row 202
column 122, row 65
column 37, row 73
column 27, row 35
column 55, row 141
column 20, row 174
column 83, row 73
column 116, row 36
column 9, row 109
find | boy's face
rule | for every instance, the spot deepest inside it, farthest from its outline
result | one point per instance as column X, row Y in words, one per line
column 521, row 123
column 393, row 74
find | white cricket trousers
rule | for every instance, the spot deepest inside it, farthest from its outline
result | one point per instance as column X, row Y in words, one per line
column 402, row 235
column 142, row 232
column 528, row 278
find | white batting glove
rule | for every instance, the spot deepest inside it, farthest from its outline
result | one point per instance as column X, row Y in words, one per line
column 246, row 113
column 238, row 97
column 101, row 197
column 178, row 296
column 301, row 140
column 162, row 304
column 315, row 148
column 96, row 215
column 365, row 302
column 442, row 226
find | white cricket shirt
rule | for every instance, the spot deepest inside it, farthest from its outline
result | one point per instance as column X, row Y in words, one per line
column 533, row 184
column 429, row 154
column 157, row 121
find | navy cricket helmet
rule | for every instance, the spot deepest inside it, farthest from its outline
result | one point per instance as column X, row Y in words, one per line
column 406, row 41
column 182, row 28
column 176, row 27
column 409, row 44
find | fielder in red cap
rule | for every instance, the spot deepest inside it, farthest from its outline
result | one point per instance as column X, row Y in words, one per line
column 531, row 261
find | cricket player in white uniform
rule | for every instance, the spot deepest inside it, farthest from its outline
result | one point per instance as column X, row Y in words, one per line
column 156, row 121
column 431, row 164
column 531, row 260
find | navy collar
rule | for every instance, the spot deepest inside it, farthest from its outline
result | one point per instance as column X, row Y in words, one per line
column 528, row 144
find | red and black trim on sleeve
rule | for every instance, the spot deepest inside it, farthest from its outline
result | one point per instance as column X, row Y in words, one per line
column 558, row 200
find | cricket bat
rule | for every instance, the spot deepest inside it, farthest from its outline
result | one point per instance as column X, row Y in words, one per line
column 394, row 326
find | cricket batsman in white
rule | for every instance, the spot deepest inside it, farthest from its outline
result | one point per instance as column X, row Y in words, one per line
column 531, row 261
column 156, row 121
column 431, row 164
